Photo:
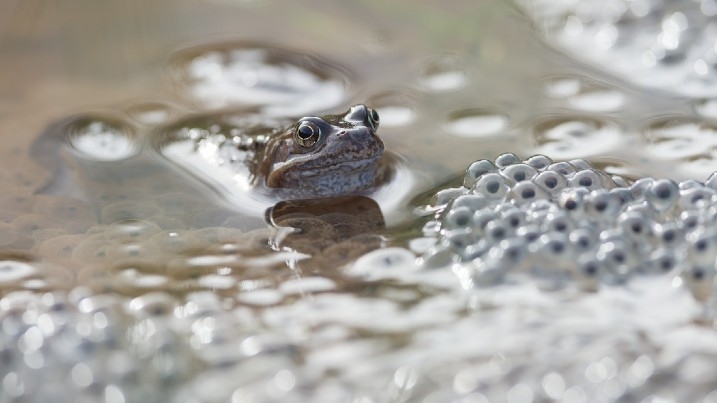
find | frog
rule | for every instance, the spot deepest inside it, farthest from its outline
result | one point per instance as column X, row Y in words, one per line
column 247, row 153
column 331, row 155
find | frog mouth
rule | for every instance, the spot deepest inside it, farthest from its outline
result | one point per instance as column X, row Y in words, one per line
column 348, row 166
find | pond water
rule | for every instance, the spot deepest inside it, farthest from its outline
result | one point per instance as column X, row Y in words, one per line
column 134, row 267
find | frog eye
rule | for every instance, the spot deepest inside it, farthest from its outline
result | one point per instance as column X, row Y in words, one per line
column 307, row 134
column 373, row 118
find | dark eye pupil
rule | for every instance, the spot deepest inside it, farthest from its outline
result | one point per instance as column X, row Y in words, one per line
column 305, row 132
column 374, row 115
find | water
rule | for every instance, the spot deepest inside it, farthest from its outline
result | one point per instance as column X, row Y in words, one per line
column 127, row 275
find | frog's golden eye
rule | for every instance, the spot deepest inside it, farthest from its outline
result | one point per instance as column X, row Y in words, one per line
column 307, row 134
column 373, row 118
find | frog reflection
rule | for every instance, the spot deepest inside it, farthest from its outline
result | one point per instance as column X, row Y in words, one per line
column 333, row 231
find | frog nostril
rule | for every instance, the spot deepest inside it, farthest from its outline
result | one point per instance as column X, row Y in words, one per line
column 342, row 133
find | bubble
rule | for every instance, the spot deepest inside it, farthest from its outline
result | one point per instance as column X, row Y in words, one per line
column 476, row 170
column 706, row 108
column 91, row 250
column 563, row 168
column 101, row 139
column 554, row 385
column 285, row 81
column 602, row 206
column 639, row 187
column 489, row 272
column 458, row 239
column 555, row 246
column 458, row 217
column 683, row 139
column 153, row 304
column 471, row 201
column 539, row 161
column 439, row 257
column 668, row 233
column 562, row 86
column 217, row 282
column 696, row 197
column 530, row 232
column 513, row 217
column 176, row 241
column 520, row 393
column 28, row 224
column 307, row 285
column 586, row 178
column 445, row 196
column 558, row 221
column 494, row 231
column 598, row 100
column 583, row 239
column 662, row 261
column 698, row 280
column 492, row 186
column 127, row 211
column 527, row 192
column 519, row 172
column 481, row 218
column 475, row 250
column 589, row 273
column 443, row 73
column 12, row 271
column 567, row 138
column 585, row 95
column 506, row 159
column 662, row 195
column 60, row 247
column 511, row 251
column 690, row 220
column 64, row 208
column 132, row 252
column 618, row 259
column 476, row 123
column 702, row 247
column 263, row 297
column 551, row 181
column 130, row 231
column 635, row 224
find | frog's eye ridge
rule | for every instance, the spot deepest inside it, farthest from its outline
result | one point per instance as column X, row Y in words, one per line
column 307, row 134
column 373, row 117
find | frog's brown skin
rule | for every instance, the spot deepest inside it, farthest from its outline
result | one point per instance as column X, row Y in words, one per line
column 324, row 156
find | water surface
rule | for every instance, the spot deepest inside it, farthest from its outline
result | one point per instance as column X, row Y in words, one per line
column 124, row 277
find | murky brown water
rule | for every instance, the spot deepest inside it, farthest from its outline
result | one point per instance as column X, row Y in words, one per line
column 127, row 275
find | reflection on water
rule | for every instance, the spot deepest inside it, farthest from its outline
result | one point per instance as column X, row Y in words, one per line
column 102, row 141
column 476, row 123
column 287, row 83
column 124, row 278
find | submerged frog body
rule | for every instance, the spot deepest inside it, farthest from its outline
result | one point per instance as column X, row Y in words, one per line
column 324, row 156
